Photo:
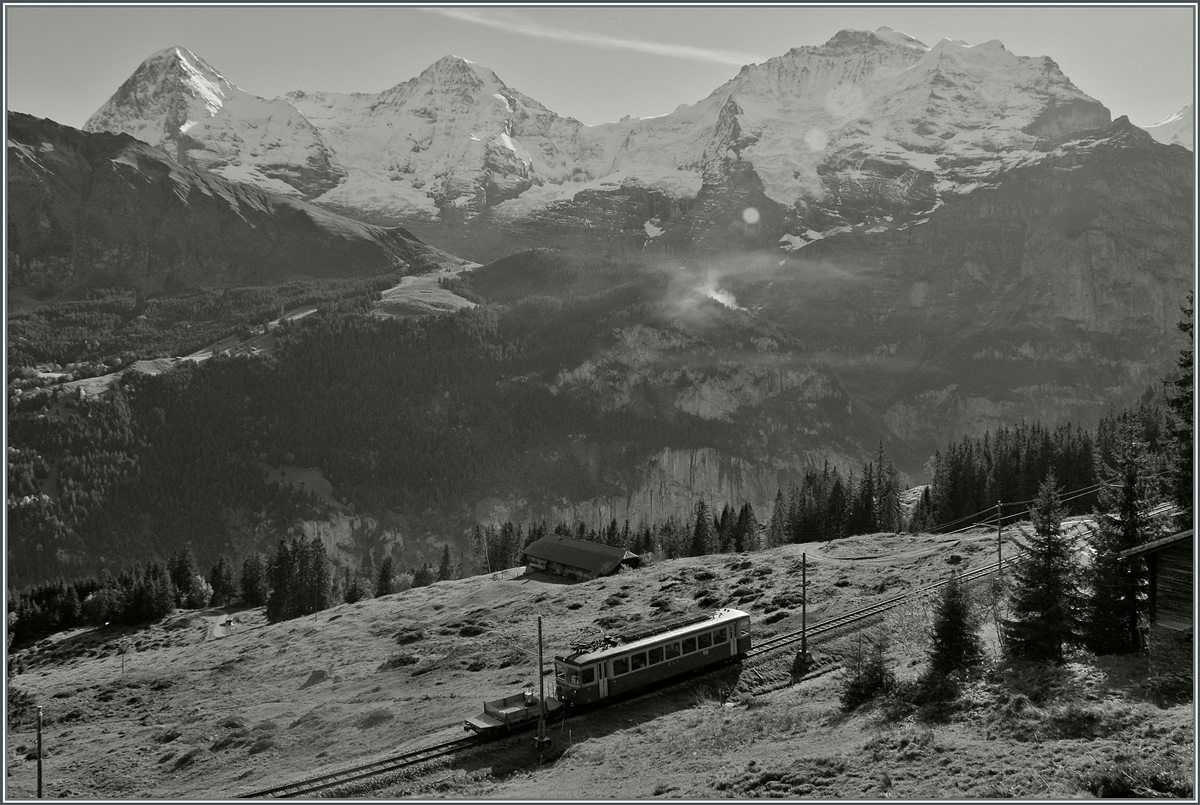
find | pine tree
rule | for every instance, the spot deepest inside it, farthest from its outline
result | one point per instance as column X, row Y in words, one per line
column 283, row 583
column 887, row 493
column 316, row 578
column 1180, row 402
column 1046, row 597
column 355, row 589
column 220, row 577
column 183, row 569
column 422, row 576
column 867, row 671
column 445, row 569
column 479, row 541
column 702, row 532
column 254, row 581
column 724, row 524
column 745, row 532
column 922, row 516
column 862, row 508
column 954, row 644
column 384, row 585
column 161, row 598
column 837, row 508
column 1117, row 588
column 777, row 529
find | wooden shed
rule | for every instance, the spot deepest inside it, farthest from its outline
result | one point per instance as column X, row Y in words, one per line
column 576, row 558
column 1171, row 564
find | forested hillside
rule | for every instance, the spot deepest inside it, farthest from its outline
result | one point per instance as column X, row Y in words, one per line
column 417, row 418
column 564, row 389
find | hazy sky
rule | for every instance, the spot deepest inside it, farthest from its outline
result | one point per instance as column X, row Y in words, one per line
column 595, row 64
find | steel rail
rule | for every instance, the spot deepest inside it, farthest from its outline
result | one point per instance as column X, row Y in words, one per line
column 333, row 779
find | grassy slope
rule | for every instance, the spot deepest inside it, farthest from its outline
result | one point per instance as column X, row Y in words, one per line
column 202, row 713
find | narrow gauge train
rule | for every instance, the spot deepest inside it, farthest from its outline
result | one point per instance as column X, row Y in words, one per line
column 609, row 670
column 594, row 675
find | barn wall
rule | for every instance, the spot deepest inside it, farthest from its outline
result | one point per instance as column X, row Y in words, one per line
column 1171, row 654
column 1173, row 596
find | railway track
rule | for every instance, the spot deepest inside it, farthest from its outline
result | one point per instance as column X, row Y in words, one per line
column 327, row 781
column 816, row 633
column 858, row 616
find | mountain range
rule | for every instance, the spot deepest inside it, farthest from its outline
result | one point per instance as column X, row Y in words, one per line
column 869, row 241
column 801, row 136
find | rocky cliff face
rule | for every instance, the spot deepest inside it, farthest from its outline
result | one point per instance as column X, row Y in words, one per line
column 86, row 208
column 1049, row 295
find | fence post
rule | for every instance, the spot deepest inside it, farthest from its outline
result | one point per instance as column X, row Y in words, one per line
column 39, row 742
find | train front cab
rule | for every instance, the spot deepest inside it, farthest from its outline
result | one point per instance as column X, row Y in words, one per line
column 576, row 684
column 741, row 629
column 588, row 677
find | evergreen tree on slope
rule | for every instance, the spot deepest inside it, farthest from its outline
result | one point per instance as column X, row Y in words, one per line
column 1117, row 588
column 1180, row 400
column 954, row 644
column 385, row 585
column 1046, row 598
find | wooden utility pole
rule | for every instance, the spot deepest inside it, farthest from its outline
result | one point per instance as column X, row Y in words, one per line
column 804, row 610
column 999, row 542
column 541, row 739
column 39, row 740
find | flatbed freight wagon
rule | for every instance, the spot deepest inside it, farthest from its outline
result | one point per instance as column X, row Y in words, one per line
column 510, row 712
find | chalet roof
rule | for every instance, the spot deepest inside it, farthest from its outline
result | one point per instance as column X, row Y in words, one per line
column 580, row 553
column 1158, row 544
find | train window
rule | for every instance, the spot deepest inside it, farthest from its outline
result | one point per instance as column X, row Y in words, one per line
column 672, row 650
column 744, row 628
column 589, row 675
column 719, row 636
column 639, row 660
column 656, row 655
column 620, row 666
column 706, row 640
column 689, row 645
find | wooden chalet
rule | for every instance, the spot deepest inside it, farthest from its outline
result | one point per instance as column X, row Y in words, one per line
column 576, row 558
column 1171, row 565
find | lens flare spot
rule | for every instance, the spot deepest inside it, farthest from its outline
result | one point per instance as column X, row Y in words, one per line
column 816, row 139
column 750, row 215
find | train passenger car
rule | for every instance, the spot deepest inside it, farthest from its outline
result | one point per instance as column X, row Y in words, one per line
column 594, row 675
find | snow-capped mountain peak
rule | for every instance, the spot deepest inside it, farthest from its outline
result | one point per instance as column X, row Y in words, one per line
column 168, row 94
column 452, row 77
column 455, row 65
column 179, row 102
column 1178, row 128
column 899, row 38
